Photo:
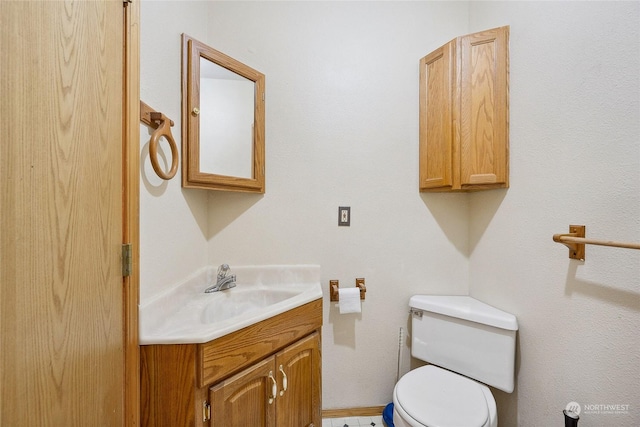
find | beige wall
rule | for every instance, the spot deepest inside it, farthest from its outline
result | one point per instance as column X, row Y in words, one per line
column 342, row 130
column 173, row 222
column 575, row 159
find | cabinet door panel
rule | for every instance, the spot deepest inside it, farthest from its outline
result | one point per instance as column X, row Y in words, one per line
column 243, row 400
column 436, row 121
column 299, row 405
column 484, row 133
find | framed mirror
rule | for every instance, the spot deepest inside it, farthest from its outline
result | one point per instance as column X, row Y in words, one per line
column 222, row 121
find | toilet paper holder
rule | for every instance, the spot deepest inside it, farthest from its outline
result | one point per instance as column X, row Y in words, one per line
column 334, row 285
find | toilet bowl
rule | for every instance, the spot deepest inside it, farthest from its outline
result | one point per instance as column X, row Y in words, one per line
column 469, row 345
column 434, row 397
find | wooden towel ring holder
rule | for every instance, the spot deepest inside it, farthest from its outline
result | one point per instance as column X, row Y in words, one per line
column 162, row 125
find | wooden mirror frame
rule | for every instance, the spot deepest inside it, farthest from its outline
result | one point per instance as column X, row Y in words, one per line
column 192, row 177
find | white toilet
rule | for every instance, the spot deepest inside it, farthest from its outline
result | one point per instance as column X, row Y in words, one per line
column 471, row 341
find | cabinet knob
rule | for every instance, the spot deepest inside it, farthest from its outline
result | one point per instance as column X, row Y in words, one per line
column 195, row 111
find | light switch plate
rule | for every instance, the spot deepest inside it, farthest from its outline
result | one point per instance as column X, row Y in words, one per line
column 344, row 216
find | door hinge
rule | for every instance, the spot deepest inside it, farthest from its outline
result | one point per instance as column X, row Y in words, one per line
column 206, row 411
column 126, row 259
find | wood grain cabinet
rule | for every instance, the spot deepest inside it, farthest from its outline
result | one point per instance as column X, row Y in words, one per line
column 283, row 390
column 265, row 375
column 464, row 114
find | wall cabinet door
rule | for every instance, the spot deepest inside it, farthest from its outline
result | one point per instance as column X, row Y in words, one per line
column 282, row 390
column 437, row 77
column 464, row 123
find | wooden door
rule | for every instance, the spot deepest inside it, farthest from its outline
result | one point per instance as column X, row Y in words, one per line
column 484, row 130
column 437, row 80
column 63, row 336
column 299, row 405
column 246, row 399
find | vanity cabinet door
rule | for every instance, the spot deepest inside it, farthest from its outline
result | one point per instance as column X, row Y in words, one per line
column 246, row 398
column 464, row 124
column 299, row 384
column 293, row 375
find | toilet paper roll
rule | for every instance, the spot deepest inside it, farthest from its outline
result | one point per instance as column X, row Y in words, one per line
column 349, row 300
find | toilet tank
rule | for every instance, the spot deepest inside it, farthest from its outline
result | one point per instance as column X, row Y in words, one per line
column 466, row 336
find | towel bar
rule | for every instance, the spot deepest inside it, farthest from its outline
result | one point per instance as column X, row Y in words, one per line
column 575, row 240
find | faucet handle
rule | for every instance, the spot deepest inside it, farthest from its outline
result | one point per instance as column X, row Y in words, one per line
column 222, row 270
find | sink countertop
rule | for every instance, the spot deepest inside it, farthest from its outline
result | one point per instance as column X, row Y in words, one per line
column 184, row 314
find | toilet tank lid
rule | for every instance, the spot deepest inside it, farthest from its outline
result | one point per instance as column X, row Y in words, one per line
column 465, row 307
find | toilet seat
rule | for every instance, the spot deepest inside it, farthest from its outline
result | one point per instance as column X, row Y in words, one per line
column 434, row 397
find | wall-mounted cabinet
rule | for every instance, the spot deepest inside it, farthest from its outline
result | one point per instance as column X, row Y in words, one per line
column 223, row 110
column 464, row 114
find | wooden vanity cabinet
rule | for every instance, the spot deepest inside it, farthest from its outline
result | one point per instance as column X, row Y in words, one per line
column 283, row 390
column 229, row 381
column 464, row 114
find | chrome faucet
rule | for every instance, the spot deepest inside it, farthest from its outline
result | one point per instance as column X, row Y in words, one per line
column 222, row 280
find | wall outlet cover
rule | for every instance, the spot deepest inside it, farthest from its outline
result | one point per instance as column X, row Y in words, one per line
column 344, row 216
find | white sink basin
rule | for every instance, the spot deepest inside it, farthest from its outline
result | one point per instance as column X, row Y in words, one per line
column 244, row 301
column 187, row 315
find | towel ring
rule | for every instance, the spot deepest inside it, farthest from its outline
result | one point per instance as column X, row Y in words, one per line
column 163, row 129
column 162, row 125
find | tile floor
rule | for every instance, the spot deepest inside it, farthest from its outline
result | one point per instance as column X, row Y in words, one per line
column 354, row 422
